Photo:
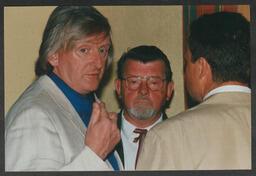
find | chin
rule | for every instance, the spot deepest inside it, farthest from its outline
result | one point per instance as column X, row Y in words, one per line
column 92, row 87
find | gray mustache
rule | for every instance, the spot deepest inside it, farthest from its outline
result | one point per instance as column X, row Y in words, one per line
column 142, row 98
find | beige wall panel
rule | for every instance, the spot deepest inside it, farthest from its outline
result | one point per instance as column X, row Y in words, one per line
column 23, row 28
column 131, row 26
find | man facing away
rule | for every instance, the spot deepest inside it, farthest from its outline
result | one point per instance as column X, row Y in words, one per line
column 216, row 134
column 55, row 124
column 144, row 86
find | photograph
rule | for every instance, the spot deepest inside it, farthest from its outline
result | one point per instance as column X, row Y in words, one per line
column 160, row 87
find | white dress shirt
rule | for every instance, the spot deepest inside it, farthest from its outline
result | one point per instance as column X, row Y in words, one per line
column 129, row 147
column 228, row 88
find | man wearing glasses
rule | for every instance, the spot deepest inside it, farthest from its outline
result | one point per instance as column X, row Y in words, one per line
column 144, row 86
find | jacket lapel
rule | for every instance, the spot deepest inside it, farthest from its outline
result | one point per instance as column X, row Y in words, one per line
column 119, row 146
column 63, row 103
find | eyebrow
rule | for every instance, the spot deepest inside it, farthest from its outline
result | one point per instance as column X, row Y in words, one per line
column 81, row 43
column 108, row 44
column 156, row 76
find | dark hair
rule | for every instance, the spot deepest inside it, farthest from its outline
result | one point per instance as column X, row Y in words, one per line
column 223, row 39
column 144, row 54
column 65, row 25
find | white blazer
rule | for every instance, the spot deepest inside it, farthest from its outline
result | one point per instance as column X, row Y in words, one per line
column 44, row 132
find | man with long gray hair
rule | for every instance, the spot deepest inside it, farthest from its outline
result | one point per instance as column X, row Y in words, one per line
column 56, row 123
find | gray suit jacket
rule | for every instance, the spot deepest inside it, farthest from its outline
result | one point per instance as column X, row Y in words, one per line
column 44, row 132
column 216, row 134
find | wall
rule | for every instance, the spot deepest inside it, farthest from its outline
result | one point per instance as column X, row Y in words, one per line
column 131, row 26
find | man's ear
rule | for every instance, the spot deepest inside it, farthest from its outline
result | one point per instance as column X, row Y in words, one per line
column 54, row 59
column 204, row 68
column 118, row 87
column 170, row 87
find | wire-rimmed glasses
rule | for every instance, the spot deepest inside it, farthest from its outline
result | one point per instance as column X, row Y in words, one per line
column 154, row 83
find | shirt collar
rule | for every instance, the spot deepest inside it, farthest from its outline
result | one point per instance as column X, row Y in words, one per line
column 128, row 128
column 227, row 88
column 81, row 103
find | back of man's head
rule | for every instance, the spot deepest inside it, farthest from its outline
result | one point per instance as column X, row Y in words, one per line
column 223, row 39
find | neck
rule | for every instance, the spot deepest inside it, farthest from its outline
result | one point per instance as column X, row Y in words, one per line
column 141, row 123
column 67, row 82
column 215, row 85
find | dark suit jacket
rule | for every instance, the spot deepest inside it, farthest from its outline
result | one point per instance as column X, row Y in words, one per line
column 119, row 146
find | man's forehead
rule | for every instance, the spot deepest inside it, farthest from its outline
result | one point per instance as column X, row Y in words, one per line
column 101, row 38
column 136, row 66
column 139, row 62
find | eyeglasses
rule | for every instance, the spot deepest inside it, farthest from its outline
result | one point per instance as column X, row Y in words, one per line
column 154, row 83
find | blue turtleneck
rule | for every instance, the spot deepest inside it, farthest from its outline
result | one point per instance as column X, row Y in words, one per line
column 83, row 106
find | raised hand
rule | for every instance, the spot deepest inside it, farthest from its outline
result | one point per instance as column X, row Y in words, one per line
column 102, row 133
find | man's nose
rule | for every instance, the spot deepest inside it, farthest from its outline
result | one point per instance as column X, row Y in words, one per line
column 97, row 59
column 143, row 90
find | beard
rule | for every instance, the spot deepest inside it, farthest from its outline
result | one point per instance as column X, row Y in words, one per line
column 142, row 111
